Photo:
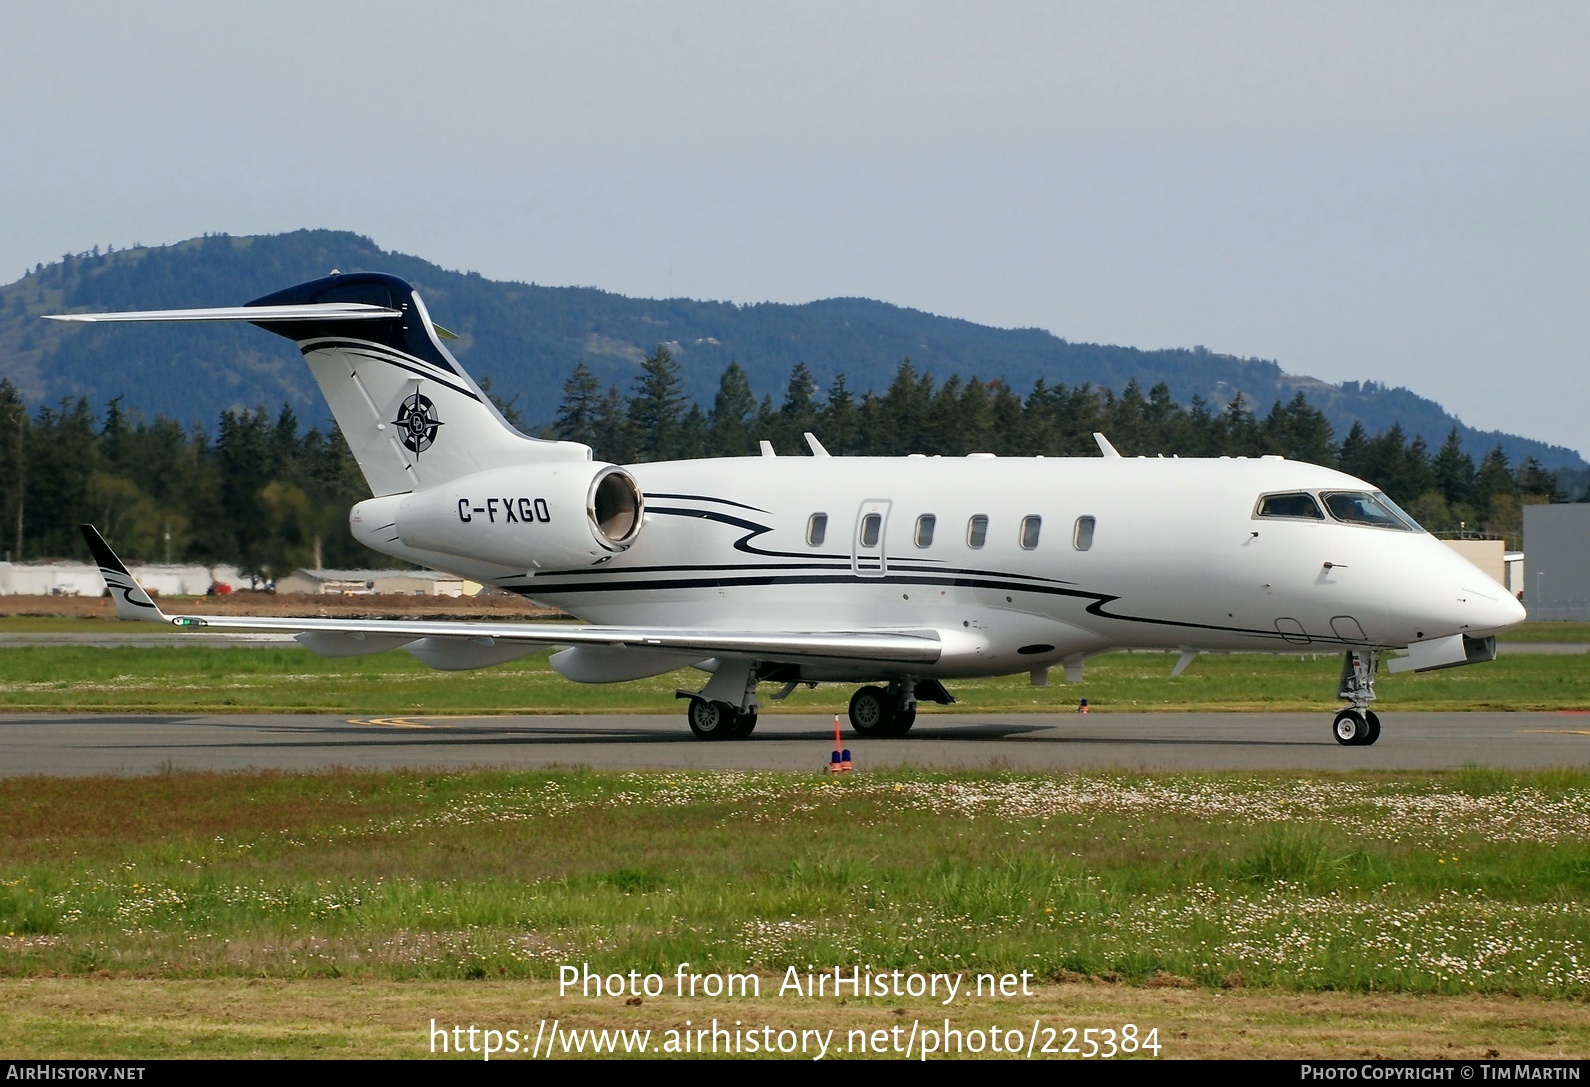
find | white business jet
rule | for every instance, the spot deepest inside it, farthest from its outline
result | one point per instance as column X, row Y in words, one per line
column 897, row 573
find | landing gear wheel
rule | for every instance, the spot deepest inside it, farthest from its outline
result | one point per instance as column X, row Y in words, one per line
column 1350, row 728
column 903, row 720
column 710, row 720
column 744, row 725
column 871, row 711
column 1374, row 728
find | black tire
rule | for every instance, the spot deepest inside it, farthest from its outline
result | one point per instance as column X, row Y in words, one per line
column 871, row 711
column 744, row 725
column 1374, row 728
column 1349, row 728
column 902, row 722
column 711, row 720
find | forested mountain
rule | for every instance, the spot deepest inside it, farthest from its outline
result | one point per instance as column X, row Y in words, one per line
column 261, row 492
column 527, row 340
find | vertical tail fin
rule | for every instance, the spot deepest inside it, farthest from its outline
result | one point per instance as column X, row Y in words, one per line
column 412, row 416
column 410, row 413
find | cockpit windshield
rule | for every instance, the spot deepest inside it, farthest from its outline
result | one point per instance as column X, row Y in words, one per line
column 1350, row 507
column 1368, row 508
column 1296, row 504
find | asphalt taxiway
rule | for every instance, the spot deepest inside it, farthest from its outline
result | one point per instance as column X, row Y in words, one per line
column 78, row 744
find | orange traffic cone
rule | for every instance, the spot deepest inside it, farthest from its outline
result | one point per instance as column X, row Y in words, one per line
column 839, row 761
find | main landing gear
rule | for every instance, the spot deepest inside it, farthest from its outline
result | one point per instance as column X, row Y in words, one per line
column 725, row 709
column 1357, row 726
column 875, row 711
column 713, row 720
column 891, row 711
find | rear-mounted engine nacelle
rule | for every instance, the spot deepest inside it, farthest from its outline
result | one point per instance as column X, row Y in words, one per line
column 549, row 517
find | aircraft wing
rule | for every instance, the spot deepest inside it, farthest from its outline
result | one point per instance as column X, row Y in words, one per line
column 339, row 637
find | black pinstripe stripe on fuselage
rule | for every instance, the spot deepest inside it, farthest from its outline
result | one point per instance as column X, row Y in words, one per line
column 838, row 570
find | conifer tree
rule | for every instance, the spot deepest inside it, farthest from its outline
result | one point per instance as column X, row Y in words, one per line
column 1239, row 431
column 903, row 414
column 580, row 408
column 1493, row 478
column 14, row 427
column 944, row 430
column 1353, row 456
column 614, row 436
column 1454, row 470
column 798, row 413
column 62, row 457
column 1008, row 433
column 1535, row 481
column 729, row 426
column 837, row 420
column 657, row 407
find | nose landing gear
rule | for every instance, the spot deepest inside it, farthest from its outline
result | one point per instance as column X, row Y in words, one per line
column 1354, row 729
column 1358, row 726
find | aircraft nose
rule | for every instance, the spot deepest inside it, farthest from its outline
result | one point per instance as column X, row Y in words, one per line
column 1490, row 610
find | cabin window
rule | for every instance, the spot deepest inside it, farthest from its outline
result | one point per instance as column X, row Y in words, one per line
column 977, row 531
column 1082, row 535
column 871, row 529
column 924, row 530
column 1297, row 504
column 1364, row 508
column 817, row 529
column 1030, row 527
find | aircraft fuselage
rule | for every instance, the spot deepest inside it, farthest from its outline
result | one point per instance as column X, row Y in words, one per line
column 1125, row 553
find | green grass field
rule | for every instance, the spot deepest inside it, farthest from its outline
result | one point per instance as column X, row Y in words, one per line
column 1245, row 914
column 289, row 679
column 1549, row 632
column 1444, row 883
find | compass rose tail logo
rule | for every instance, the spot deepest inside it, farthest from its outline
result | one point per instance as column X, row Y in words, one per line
column 417, row 422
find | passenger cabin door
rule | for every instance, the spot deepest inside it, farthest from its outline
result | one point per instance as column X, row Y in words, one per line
column 866, row 553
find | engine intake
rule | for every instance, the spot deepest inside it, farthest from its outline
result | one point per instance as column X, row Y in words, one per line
column 556, row 516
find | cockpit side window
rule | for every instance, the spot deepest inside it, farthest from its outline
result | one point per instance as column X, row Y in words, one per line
column 1368, row 508
column 1298, row 504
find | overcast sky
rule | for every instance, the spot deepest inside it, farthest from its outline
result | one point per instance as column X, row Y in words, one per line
column 1398, row 192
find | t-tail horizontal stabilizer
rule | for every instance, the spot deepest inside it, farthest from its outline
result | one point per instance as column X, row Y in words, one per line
column 318, row 311
column 411, row 415
column 131, row 600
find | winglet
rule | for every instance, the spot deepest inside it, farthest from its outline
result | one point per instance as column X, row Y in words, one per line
column 1104, row 445
column 131, row 600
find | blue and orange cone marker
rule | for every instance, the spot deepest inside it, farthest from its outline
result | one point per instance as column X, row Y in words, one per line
column 839, row 761
column 1083, row 706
